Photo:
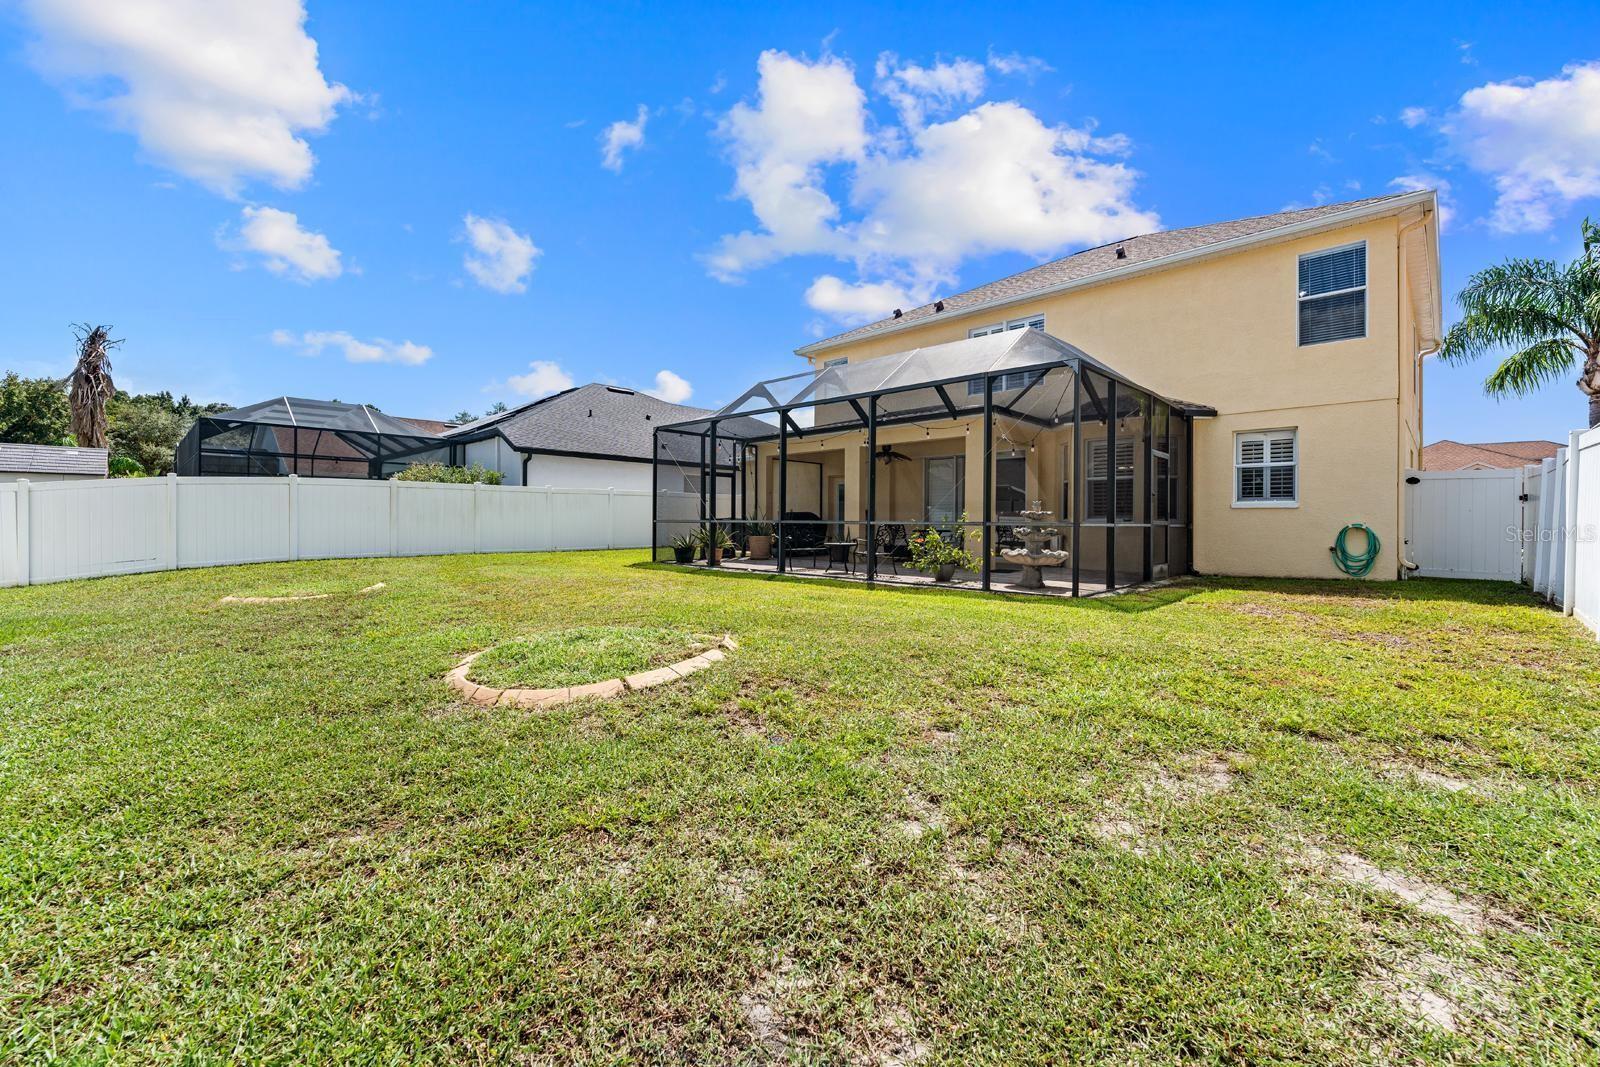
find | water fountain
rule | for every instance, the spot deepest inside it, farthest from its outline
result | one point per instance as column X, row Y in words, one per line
column 1033, row 557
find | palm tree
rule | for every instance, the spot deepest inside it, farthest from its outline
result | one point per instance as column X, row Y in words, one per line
column 1548, row 312
column 91, row 385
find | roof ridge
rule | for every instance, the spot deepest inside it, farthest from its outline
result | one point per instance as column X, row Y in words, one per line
column 1288, row 217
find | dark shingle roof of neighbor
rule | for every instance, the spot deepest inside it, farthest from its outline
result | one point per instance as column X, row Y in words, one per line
column 595, row 419
column 52, row 459
column 307, row 414
column 1092, row 261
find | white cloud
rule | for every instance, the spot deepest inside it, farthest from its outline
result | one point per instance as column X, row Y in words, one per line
column 917, row 91
column 501, row 258
column 621, row 136
column 221, row 91
column 807, row 114
column 671, row 387
column 355, row 350
column 1412, row 117
column 1539, row 141
column 923, row 198
column 1029, row 67
column 859, row 302
column 995, row 179
column 284, row 246
column 1408, row 183
column 542, row 379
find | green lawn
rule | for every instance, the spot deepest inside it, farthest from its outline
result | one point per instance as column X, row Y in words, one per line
column 1208, row 823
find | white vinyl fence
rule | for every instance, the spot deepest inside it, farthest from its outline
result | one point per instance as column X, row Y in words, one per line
column 1539, row 525
column 55, row 531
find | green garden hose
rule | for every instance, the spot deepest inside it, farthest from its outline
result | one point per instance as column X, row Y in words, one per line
column 1355, row 564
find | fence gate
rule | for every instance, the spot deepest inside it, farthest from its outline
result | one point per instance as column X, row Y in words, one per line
column 1466, row 524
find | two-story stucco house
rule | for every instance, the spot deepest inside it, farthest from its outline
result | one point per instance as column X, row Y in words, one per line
column 1222, row 398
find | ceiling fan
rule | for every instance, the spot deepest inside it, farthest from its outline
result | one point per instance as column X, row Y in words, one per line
column 888, row 455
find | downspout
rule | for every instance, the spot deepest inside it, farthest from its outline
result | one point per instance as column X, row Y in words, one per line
column 1407, row 565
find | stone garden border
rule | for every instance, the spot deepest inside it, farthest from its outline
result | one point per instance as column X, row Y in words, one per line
column 488, row 696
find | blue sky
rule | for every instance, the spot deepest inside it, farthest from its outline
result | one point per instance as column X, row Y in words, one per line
column 412, row 207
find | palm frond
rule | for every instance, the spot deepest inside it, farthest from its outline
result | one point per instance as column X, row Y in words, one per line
column 1538, row 364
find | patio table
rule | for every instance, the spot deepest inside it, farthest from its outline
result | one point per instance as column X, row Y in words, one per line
column 839, row 552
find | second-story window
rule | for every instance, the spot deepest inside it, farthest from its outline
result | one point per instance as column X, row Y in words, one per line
column 1015, row 379
column 1333, row 294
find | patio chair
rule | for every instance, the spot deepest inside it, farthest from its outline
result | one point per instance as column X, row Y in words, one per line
column 803, row 535
column 889, row 541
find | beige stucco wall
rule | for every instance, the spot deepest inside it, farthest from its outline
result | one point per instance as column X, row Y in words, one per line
column 1223, row 332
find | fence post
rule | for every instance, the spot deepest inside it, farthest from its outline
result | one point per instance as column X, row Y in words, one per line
column 394, row 516
column 477, row 517
column 611, row 516
column 294, row 516
column 1569, row 558
column 549, row 518
column 172, row 518
column 24, row 527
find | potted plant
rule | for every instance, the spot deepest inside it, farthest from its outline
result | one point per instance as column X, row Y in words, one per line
column 931, row 552
column 759, row 543
column 715, row 543
column 683, row 547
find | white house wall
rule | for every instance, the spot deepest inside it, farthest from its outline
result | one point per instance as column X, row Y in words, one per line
column 569, row 472
column 496, row 455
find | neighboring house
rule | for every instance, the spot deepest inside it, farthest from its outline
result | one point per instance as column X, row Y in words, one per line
column 1489, row 455
column 588, row 437
column 50, row 463
column 1291, row 344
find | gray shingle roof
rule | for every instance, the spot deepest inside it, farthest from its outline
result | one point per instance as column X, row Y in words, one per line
column 1091, row 261
column 595, row 419
column 52, row 459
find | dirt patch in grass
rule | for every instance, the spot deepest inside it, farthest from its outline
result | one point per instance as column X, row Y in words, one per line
column 292, row 596
column 1191, row 778
column 1434, row 988
column 764, row 1007
column 1437, row 990
column 1400, row 771
column 583, row 655
column 1124, row 833
column 924, row 815
column 1469, row 916
column 1200, row 777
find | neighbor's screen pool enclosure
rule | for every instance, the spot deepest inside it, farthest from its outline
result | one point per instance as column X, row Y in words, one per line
column 311, row 438
column 1051, row 471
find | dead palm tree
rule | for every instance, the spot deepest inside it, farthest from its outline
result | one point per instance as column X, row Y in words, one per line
column 1548, row 312
column 91, row 384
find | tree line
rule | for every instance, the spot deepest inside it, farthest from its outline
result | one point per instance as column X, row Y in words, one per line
column 142, row 430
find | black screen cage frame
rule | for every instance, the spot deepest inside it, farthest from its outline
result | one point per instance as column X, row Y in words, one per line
column 715, row 451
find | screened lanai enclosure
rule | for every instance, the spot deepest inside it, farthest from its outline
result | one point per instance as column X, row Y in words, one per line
column 311, row 438
column 1052, row 472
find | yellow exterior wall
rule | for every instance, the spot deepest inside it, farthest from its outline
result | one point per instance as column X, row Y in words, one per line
column 1223, row 332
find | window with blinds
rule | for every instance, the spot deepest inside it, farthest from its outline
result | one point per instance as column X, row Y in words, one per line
column 1098, row 491
column 1266, row 469
column 1333, row 295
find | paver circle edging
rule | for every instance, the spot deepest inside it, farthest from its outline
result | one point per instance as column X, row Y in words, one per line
column 488, row 696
